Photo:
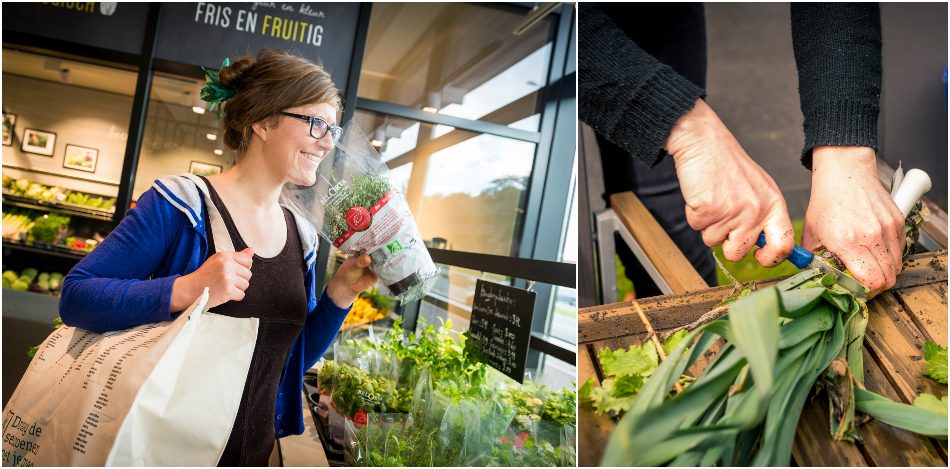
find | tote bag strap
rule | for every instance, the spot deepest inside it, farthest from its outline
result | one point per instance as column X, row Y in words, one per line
column 219, row 240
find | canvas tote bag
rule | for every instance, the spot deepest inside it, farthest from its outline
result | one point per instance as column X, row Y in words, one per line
column 162, row 394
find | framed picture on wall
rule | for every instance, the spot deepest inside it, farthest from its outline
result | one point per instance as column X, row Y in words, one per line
column 40, row 142
column 81, row 158
column 9, row 121
column 204, row 169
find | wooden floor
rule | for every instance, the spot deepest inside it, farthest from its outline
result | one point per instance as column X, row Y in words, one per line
column 900, row 321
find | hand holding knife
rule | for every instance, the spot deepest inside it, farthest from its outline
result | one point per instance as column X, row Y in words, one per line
column 907, row 192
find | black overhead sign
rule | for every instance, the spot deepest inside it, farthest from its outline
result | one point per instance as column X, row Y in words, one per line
column 205, row 33
column 500, row 328
column 107, row 25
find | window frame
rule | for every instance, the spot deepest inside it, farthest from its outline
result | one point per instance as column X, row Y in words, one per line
column 534, row 262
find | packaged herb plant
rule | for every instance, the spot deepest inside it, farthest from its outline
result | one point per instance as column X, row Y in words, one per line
column 357, row 208
column 420, row 399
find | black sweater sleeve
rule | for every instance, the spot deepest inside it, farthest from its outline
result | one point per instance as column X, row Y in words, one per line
column 838, row 53
column 625, row 94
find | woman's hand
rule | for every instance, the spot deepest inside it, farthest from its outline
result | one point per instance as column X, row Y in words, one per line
column 729, row 198
column 225, row 274
column 852, row 215
column 353, row 277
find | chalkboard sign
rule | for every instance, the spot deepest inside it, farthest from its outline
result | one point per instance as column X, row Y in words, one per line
column 500, row 329
column 205, row 33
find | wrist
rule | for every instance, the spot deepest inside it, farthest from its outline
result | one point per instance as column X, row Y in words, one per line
column 341, row 296
column 838, row 160
column 700, row 124
column 183, row 294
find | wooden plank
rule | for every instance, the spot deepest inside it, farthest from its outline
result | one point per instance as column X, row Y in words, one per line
column 923, row 269
column 593, row 429
column 896, row 344
column 927, row 305
column 890, row 446
column 665, row 313
column 672, row 311
column 669, row 261
column 813, row 444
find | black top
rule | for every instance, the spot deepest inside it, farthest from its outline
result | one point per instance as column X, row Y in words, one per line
column 633, row 99
column 276, row 296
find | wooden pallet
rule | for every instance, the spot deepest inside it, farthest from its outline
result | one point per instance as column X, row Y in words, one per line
column 901, row 320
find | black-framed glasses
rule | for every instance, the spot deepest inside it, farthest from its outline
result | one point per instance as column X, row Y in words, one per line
column 321, row 126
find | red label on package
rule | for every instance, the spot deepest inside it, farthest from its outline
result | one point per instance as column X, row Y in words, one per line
column 360, row 418
column 369, row 215
column 358, row 218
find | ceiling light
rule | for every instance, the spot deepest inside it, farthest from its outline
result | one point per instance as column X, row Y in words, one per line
column 430, row 109
column 218, row 151
column 212, row 137
column 198, row 109
column 377, row 143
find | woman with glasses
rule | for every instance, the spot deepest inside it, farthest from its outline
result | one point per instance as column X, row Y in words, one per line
column 279, row 118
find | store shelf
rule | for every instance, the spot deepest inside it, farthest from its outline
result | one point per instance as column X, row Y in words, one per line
column 50, row 249
column 30, row 306
column 66, row 208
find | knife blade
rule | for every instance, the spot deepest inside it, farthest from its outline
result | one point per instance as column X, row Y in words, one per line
column 805, row 259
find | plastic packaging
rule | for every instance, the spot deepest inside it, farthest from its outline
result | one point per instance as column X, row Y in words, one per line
column 356, row 206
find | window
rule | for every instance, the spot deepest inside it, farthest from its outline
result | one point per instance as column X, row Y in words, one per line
column 180, row 135
column 463, row 111
column 457, row 59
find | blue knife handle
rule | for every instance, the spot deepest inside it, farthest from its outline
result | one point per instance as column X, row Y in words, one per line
column 800, row 256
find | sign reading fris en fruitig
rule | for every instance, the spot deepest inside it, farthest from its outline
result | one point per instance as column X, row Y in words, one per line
column 500, row 329
column 198, row 33
column 204, row 33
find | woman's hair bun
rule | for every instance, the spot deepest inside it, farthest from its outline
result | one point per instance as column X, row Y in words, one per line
column 233, row 74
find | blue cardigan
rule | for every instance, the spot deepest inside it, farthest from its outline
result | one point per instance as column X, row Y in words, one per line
column 127, row 281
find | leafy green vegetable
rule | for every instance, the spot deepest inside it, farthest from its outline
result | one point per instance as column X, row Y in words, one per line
column 48, row 228
column 380, row 300
column 931, row 403
column 626, row 371
column 935, row 365
column 636, row 360
column 616, row 394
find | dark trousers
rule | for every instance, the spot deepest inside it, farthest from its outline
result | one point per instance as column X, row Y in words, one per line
column 674, row 34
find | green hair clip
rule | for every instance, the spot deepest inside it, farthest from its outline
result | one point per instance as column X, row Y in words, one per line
column 214, row 92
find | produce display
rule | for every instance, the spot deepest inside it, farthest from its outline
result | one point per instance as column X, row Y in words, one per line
column 355, row 206
column 16, row 224
column 32, row 280
column 25, row 188
column 362, row 312
column 422, row 400
column 49, row 228
column 370, row 306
